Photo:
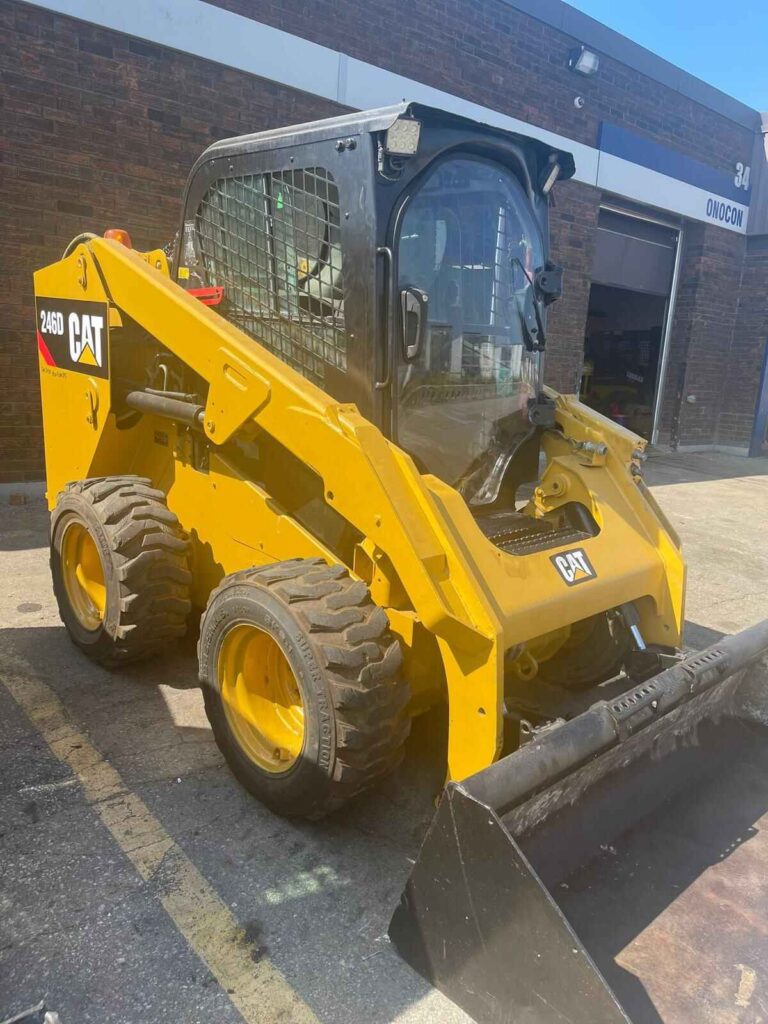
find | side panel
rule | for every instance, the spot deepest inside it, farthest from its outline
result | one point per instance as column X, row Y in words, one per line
column 233, row 522
column 72, row 332
column 242, row 525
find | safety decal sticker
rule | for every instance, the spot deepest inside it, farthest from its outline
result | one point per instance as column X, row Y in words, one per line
column 574, row 566
column 74, row 335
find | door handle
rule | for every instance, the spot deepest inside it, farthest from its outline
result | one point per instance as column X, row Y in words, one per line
column 380, row 385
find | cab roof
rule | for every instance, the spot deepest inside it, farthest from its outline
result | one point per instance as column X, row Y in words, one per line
column 366, row 122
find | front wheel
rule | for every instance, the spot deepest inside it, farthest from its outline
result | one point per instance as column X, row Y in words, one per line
column 302, row 685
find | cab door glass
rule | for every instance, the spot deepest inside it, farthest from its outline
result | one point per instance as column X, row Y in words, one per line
column 470, row 245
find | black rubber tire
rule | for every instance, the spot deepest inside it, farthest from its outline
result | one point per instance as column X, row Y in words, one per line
column 591, row 659
column 346, row 663
column 144, row 557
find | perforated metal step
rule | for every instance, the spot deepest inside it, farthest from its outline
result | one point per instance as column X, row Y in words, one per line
column 519, row 534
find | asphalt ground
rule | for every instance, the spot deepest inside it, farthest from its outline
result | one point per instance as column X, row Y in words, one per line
column 139, row 883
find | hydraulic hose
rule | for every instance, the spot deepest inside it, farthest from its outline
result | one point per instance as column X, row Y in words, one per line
column 85, row 236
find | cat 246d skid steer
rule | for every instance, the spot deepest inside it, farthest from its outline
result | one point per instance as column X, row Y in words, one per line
column 316, row 426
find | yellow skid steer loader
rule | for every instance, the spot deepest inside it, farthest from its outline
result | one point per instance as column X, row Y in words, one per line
column 316, row 425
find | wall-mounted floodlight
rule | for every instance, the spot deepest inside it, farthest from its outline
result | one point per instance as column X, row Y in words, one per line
column 402, row 138
column 585, row 61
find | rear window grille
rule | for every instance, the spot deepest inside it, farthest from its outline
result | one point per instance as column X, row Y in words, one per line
column 273, row 242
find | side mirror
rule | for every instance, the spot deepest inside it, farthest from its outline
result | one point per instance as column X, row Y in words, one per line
column 413, row 308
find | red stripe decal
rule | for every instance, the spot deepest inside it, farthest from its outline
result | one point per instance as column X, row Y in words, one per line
column 44, row 350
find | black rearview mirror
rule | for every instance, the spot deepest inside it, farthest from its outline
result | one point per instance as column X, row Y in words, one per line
column 413, row 306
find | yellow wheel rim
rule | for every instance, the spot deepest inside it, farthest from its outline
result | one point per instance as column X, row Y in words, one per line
column 83, row 576
column 261, row 698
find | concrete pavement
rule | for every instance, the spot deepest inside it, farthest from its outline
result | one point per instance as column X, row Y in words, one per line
column 82, row 922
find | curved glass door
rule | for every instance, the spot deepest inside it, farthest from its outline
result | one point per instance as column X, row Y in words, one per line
column 470, row 244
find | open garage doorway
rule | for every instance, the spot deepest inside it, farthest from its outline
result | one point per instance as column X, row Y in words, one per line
column 630, row 308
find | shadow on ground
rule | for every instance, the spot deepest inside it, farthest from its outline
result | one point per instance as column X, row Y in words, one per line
column 672, row 910
column 665, row 468
column 317, row 898
column 24, row 527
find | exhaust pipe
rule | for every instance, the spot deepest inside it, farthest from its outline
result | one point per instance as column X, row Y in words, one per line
column 479, row 918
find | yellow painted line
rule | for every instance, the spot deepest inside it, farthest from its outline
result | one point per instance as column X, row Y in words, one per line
column 747, row 982
column 257, row 989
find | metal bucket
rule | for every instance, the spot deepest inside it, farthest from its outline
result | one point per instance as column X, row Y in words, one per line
column 595, row 828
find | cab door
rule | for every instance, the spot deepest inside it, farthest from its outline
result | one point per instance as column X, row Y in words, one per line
column 466, row 251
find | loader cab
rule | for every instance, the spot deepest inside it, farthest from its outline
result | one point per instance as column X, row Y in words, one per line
column 398, row 259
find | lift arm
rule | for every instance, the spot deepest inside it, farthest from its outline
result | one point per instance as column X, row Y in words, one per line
column 370, row 482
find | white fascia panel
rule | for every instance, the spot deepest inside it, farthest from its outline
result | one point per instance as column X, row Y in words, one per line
column 203, row 30
column 633, row 181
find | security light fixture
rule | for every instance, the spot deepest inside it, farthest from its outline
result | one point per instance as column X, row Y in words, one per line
column 585, row 61
column 402, row 138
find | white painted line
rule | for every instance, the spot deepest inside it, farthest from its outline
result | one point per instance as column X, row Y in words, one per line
column 257, row 989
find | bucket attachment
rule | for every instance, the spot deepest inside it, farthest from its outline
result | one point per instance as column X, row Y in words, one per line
column 479, row 917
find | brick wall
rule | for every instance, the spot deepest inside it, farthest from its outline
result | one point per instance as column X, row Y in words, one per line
column 702, row 334
column 490, row 53
column 573, row 232
column 746, row 357
column 98, row 129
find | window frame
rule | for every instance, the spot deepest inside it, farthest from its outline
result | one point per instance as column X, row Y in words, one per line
column 250, row 230
column 351, row 170
column 501, row 159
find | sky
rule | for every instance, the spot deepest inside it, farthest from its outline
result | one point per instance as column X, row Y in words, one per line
column 721, row 41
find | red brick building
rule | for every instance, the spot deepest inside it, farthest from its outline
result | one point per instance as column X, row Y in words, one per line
column 663, row 232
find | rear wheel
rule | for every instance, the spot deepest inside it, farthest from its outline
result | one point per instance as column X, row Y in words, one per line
column 119, row 567
column 303, row 690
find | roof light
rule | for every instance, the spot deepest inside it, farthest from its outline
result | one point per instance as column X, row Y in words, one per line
column 585, row 61
column 402, row 138
column 119, row 235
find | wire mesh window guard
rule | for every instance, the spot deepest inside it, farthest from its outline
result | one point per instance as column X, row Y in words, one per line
column 273, row 242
